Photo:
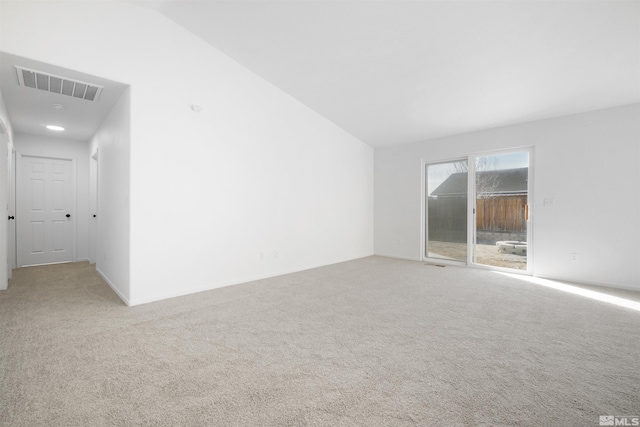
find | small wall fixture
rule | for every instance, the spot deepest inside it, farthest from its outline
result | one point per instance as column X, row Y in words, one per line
column 196, row 108
column 56, row 128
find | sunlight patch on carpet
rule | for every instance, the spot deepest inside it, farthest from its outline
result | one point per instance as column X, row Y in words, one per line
column 576, row 290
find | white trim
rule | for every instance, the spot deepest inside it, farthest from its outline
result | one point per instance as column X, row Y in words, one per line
column 588, row 283
column 423, row 209
column 13, row 207
column 5, row 191
column 471, row 210
column 386, row 255
column 573, row 281
column 93, row 229
column 447, row 262
column 114, row 288
column 205, row 288
column 581, row 290
column 47, row 263
column 501, row 269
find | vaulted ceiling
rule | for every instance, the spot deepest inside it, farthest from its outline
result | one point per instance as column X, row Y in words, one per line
column 393, row 72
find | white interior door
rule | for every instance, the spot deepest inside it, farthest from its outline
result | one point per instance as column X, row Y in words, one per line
column 45, row 219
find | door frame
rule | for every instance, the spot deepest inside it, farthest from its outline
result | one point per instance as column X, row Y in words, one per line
column 73, row 203
column 12, row 236
column 471, row 216
column 5, row 190
column 94, row 174
column 424, row 223
column 471, row 205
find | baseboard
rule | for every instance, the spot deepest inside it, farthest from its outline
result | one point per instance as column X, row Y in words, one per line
column 141, row 301
column 588, row 283
column 114, row 288
column 396, row 256
column 155, row 298
column 544, row 276
column 189, row 292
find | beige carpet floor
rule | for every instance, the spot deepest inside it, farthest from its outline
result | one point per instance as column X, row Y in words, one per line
column 371, row 342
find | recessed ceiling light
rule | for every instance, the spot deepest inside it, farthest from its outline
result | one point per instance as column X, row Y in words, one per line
column 56, row 128
column 58, row 106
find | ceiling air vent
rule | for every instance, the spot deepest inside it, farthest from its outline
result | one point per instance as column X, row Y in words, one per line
column 57, row 84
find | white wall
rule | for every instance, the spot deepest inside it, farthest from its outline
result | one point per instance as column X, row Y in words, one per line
column 33, row 145
column 587, row 162
column 255, row 172
column 112, row 145
column 6, row 141
column 4, row 116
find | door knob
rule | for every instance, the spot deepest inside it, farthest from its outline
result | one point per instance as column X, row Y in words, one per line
column 68, row 215
column 12, row 217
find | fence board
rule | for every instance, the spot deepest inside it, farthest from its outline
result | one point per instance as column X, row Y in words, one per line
column 501, row 213
column 448, row 215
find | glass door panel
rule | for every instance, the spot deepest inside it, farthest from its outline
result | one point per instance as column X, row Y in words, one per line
column 447, row 199
column 501, row 210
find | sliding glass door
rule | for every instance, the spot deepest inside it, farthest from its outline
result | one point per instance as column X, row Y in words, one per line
column 447, row 201
column 477, row 210
column 501, row 210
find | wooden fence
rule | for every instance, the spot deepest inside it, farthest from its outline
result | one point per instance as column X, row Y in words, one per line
column 448, row 216
column 501, row 213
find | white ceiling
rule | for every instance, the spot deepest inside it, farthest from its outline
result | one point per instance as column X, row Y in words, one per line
column 30, row 110
column 393, row 72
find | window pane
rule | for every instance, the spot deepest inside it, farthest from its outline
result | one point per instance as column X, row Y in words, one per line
column 501, row 210
column 447, row 210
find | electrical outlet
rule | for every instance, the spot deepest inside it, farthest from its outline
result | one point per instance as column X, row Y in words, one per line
column 574, row 257
column 276, row 253
column 261, row 256
column 549, row 202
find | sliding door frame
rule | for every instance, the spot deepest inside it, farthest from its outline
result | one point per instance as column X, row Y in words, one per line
column 471, row 214
column 424, row 223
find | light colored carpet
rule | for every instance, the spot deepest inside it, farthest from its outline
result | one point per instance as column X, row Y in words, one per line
column 371, row 342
